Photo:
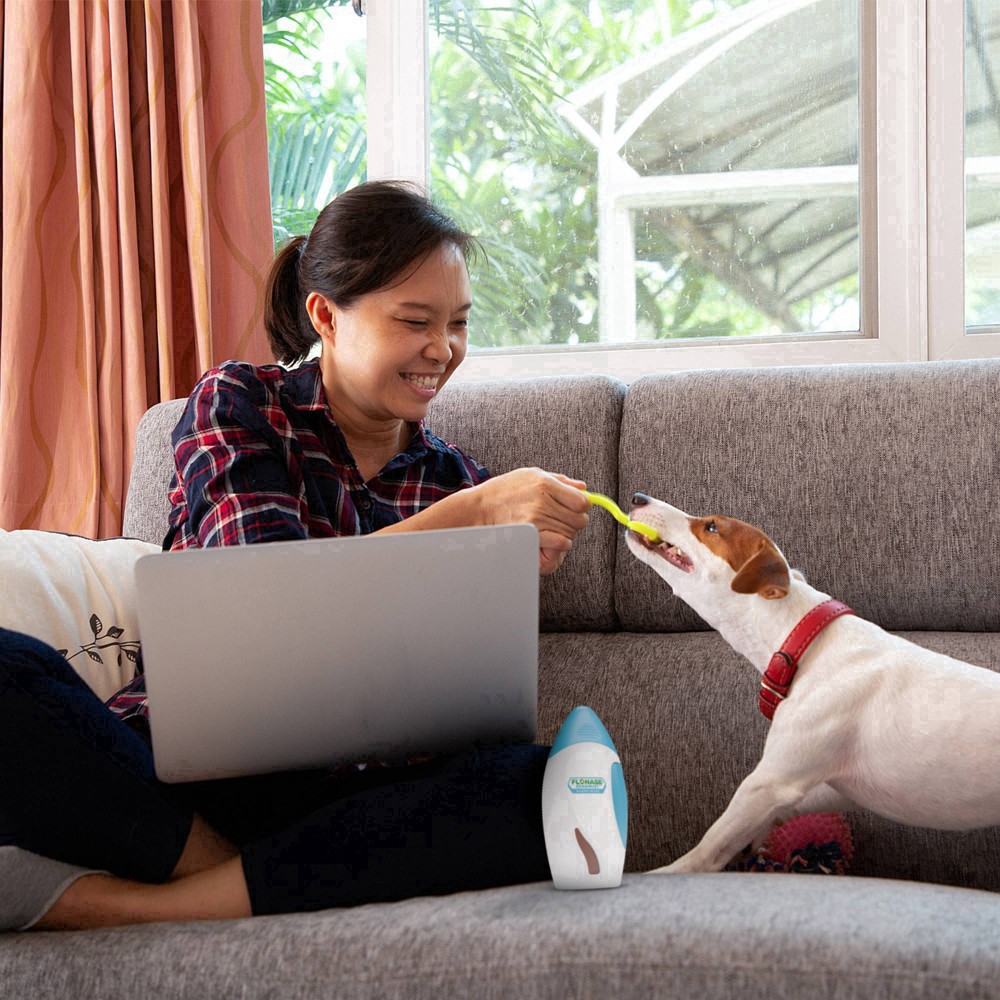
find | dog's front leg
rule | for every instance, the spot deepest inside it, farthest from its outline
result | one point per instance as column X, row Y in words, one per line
column 762, row 799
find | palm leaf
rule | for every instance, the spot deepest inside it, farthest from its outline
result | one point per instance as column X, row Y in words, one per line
column 304, row 159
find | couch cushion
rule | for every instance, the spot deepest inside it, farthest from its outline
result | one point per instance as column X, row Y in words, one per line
column 714, row 937
column 877, row 481
column 688, row 732
column 78, row 595
column 562, row 424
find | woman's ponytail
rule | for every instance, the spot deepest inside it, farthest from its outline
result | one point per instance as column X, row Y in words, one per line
column 289, row 332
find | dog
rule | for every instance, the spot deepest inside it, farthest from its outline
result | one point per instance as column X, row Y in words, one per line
column 866, row 720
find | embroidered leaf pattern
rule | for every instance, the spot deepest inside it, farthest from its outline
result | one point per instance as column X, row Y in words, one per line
column 106, row 640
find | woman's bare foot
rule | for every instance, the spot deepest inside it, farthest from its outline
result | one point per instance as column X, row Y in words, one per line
column 217, row 893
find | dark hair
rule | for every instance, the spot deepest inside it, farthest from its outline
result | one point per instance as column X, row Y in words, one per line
column 360, row 242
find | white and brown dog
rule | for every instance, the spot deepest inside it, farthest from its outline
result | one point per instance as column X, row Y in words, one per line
column 871, row 721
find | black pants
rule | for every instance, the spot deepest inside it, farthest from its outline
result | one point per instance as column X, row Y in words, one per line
column 77, row 785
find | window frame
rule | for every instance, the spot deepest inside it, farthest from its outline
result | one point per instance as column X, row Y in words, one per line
column 908, row 308
column 397, row 71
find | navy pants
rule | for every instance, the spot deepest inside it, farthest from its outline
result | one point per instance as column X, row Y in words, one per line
column 77, row 785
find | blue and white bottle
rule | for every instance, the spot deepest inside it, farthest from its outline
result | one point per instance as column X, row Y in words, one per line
column 584, row 806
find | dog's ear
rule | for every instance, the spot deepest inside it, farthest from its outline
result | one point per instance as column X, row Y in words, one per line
column 764, row 573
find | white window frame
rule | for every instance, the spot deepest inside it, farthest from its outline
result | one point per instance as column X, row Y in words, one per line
column 910, row 311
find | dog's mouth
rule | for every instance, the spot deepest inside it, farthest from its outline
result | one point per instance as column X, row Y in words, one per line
column 665, row 550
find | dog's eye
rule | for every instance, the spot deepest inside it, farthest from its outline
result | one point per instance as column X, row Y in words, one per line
column 712, row 528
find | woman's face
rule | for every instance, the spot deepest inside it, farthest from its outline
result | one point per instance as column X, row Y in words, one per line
column 388, row 355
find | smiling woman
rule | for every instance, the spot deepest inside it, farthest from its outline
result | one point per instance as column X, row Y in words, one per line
column 316, row 447
column 334, row 443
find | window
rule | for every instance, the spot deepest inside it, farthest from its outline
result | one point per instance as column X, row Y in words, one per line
column 703, row 183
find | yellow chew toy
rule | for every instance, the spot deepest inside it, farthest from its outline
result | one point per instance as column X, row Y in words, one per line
column 616, row 512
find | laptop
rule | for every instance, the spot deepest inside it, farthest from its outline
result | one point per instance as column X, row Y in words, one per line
column 302, row 654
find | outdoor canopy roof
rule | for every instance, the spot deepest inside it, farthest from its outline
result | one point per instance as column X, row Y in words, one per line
column 738, row 142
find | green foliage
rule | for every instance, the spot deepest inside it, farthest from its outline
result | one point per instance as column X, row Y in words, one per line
column 505, row 42
column 271, row 10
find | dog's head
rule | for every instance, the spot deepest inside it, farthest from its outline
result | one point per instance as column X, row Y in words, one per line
column 705, row 559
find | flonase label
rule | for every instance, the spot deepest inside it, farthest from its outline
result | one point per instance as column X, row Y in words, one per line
column 587, row 786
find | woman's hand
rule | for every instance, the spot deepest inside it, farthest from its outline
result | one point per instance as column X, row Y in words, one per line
column 553, row 503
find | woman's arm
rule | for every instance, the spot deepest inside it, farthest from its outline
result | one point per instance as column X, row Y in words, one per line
column 236, row 484
column 553, row 503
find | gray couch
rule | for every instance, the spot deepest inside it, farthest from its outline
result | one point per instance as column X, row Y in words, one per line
column 880, row 483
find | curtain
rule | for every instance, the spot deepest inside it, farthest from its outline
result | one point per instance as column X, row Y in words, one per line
column 136, row 234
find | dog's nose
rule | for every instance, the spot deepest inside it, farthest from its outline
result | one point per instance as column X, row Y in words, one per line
column 640, row 499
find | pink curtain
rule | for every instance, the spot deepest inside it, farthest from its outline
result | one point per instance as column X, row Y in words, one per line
column 136, row 233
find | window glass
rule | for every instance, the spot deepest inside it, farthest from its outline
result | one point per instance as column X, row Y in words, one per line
column 314, row 72
column 650, row 171
column 982, row 165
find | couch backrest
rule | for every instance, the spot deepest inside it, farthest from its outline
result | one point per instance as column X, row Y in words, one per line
column 567, row 425
column 879, row 482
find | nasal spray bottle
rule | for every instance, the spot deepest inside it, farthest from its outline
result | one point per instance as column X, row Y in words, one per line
column 584, row 808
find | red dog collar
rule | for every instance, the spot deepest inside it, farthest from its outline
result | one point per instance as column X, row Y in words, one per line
column 781, row 670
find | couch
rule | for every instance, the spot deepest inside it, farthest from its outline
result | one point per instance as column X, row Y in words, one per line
column 880, row 483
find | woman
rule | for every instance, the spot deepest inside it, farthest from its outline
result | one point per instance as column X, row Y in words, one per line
column 335, row 445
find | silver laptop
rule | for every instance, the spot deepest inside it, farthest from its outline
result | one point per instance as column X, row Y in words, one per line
column 302, row 654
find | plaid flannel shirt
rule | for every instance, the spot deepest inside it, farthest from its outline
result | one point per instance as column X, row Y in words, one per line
column 259, row 458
